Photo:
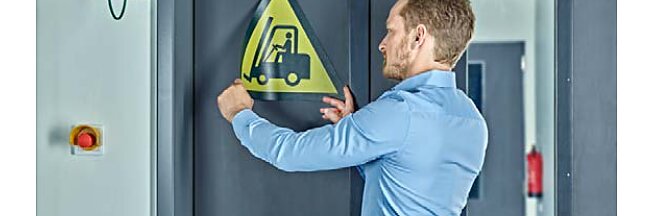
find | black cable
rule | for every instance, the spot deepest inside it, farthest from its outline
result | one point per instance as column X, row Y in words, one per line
column 110, row 7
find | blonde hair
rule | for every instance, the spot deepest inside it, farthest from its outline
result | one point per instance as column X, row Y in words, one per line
column 450, row 22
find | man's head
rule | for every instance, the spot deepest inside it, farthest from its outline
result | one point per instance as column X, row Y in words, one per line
column 424, row 35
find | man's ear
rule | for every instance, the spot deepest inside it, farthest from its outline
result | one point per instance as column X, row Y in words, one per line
column 420, row 34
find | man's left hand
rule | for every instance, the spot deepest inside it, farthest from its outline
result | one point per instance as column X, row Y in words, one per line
column 340, row 108
column 234, row 99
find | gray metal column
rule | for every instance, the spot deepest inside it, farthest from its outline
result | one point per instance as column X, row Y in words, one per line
column 586, row 107
column 174, row 108
column 563, row 103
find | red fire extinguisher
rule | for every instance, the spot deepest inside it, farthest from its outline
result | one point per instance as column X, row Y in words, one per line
column 535, row 173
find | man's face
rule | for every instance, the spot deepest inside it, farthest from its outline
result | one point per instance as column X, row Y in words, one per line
column 395, row 47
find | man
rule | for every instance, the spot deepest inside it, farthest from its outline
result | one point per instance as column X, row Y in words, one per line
column 286, row 47
column 419, row 146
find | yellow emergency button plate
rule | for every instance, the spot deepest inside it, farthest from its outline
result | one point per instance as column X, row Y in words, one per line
column 85, row 137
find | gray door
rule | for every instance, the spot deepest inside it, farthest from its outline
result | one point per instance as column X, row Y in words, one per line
column 228, row 179
column 495, row 84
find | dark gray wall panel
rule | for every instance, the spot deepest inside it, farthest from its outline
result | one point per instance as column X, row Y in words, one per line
column 594, row 107
column 359, row 15
column 228, row 179
column 586, row 108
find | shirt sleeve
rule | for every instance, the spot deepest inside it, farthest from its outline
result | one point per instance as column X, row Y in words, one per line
column 378, row 129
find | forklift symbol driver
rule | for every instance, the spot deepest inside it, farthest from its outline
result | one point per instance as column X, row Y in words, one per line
column 286, row 47
column 293, row 67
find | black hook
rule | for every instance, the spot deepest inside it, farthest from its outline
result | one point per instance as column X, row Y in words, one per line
column 110, row 7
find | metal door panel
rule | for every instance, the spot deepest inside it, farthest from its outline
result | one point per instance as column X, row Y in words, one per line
column 228, row 179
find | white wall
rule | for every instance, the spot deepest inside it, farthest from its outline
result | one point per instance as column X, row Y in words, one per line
column 93, row 69
column 512, row 20
column 545, row 86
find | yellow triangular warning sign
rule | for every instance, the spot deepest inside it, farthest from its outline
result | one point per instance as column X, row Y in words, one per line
column 282, row 57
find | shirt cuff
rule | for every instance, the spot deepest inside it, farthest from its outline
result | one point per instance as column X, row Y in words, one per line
column 241, row 122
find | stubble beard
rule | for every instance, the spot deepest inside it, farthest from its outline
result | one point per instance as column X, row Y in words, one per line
column 397, row 70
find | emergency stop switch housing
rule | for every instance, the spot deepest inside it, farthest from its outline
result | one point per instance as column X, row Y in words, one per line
column 86, row 139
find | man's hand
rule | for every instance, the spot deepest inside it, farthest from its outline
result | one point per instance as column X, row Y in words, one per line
column 234, row 99
column 340, row 109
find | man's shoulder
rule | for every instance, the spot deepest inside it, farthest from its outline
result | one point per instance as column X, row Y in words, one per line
column 443, row 101
column 389, row 114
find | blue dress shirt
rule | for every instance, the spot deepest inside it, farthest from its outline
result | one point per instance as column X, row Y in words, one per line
column 419, row 146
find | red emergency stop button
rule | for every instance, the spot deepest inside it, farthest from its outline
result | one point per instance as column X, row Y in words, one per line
column 85, row 137
column 85, row 140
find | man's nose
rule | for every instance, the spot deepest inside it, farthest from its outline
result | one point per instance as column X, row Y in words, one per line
column 382, row 47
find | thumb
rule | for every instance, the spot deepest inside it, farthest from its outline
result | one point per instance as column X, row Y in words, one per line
column 349, row 100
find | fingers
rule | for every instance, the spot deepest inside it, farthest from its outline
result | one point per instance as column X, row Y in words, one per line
column 236, row 86
column 349, row 100
column 334, row 102
column 237, row 83
column 341, row 108
column 330, row 110
column 331, row 114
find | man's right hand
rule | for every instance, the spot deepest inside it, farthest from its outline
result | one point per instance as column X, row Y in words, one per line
column 340, row 108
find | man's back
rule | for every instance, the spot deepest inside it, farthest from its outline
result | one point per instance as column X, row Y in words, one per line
column 419, row 146
column 443, row 151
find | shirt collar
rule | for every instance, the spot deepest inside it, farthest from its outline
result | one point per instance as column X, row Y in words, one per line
column 444, row 79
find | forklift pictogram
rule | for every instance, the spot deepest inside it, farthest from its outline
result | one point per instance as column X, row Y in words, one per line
column 293, row 66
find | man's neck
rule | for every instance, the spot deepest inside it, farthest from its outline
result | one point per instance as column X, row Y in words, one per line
column 421, row 68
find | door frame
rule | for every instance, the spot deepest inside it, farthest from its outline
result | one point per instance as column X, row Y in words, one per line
column 174, row 107
column 563, row 106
